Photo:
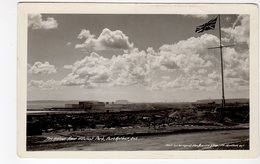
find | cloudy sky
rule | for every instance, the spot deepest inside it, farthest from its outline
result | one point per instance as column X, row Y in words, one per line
column 141, row 58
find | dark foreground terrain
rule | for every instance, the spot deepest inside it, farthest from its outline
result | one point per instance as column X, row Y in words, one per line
column 157, row 126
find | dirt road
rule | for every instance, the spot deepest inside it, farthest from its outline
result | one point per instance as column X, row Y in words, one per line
column 231, row 139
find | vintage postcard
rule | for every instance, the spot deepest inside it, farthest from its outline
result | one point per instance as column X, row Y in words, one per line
column 100, row 80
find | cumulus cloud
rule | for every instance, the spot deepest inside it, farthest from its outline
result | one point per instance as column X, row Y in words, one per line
column 200, row 69
column 88, row 72
column 138, row 67
column 200, row 16
column 106, row 40
column 228, row 19
column 189, row 55
column 122, row 70
column 166, row 77
column 131, row 69
column 177, row 83
column 67, row 66
column 185, row 82
column 236, row 64
column 41, row 68
column 186, row 64
column 35, row 21
column 239, row 33
column 45, row 85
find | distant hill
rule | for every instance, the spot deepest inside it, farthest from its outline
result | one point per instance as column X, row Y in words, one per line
column 40, row 104
column 219, row 101
column 121, row 102
column 51, row 101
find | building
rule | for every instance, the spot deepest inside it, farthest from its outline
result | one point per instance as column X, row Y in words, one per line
column 98, row 106
column 85, row 104
column 72, row 106
column 88, row 105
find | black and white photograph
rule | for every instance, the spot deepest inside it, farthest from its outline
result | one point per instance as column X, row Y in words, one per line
column 137, row 82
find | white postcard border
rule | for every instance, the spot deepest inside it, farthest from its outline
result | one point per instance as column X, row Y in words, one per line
column 114, row 8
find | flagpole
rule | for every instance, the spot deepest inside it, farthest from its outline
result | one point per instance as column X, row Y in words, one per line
column 221, row 56
column 210, row 25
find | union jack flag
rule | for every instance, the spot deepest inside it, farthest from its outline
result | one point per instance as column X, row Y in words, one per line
column 210, row 25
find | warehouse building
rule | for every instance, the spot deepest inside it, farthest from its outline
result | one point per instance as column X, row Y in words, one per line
column 91, row 105
column 72, row 106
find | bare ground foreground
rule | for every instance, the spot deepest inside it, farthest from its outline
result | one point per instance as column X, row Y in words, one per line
column 237, row 139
